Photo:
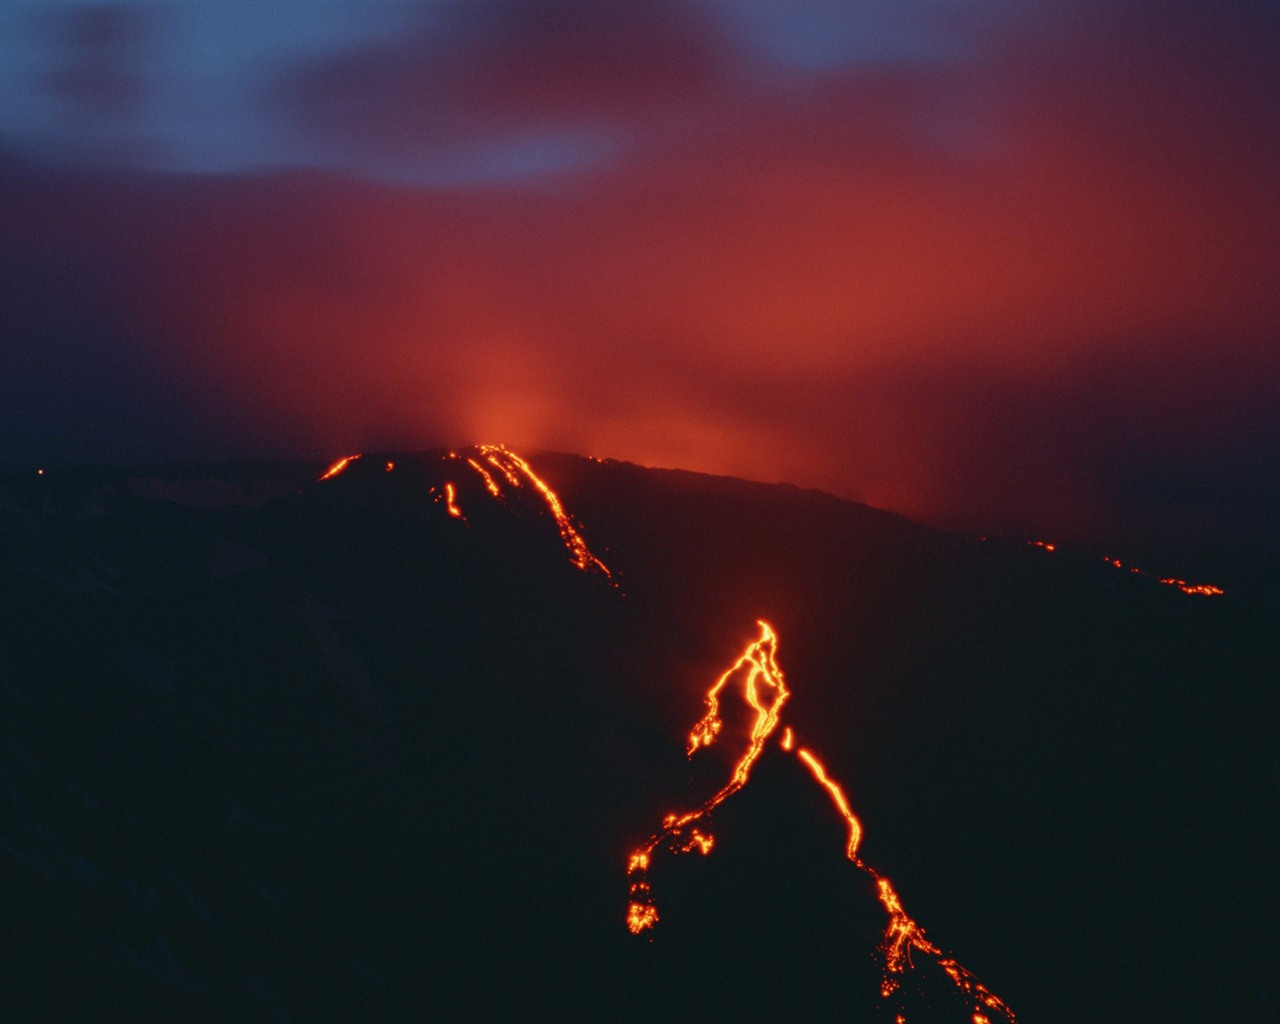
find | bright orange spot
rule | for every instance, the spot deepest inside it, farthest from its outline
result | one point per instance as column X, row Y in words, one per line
column 641, row 916
column 764, row 689
column 338, row 466
column 699, row 841
column 390, row 466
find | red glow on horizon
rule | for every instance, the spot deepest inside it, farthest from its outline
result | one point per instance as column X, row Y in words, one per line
column 826, row 290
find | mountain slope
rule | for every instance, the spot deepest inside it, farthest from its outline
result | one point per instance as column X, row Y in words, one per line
column 281, row 748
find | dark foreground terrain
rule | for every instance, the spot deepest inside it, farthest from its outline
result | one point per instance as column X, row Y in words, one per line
column 280, row 749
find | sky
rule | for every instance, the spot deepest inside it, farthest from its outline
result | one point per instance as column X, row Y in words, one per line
column 1006, row 266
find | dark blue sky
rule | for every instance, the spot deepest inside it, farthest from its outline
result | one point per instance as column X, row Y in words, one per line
column 988, row 264
column 204, row 87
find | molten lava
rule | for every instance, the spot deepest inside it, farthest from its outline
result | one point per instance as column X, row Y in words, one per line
column 515, row 470
column 338, row 466
column 492, row 463
column 1201, row 589
column 765, row 691
column 450, row 502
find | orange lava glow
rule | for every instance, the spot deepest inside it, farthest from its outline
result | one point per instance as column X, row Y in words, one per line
column 495, row 464
column 490, row 484
column 338, row 466
column 765, row 691
column 1205, row 589
column 1200, row 589
column 450, row 502
column 516, row 471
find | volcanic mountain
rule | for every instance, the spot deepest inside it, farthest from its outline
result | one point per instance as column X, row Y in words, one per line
column 381, row 741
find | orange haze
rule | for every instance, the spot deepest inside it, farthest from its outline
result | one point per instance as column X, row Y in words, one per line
column 1039, row 293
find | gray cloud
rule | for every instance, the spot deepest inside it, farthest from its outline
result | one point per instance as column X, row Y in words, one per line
column 472, row 72
column 97, row 74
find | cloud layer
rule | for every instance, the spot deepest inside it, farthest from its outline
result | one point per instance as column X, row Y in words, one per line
column 996, row 271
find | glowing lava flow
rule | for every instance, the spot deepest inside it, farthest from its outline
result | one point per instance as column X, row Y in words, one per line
column 494, row 463
column 450, row 502
column 516, row 471
column 338, row 467
column 764, row 689
column 762, row 674
column 1201, row 589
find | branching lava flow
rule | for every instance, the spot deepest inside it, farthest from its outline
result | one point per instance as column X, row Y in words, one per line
column 493, row 463
column 765, row 691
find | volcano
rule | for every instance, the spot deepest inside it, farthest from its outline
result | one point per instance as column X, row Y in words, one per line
column 382, row 740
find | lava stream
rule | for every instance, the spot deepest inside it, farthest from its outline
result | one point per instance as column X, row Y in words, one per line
column 450, row 502
column 765, row 691
column 338, row 467
column 1195, row 589
column 514, row 469
column 495, row 462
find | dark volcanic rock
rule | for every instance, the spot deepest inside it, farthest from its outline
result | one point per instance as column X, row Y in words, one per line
column 282, row 750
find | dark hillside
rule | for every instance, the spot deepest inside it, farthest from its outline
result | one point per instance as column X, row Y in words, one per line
column 284, row 749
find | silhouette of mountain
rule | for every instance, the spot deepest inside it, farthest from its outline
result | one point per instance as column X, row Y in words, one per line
column 376, row 747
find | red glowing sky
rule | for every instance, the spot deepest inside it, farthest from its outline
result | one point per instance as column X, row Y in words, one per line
column 1011, row 267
